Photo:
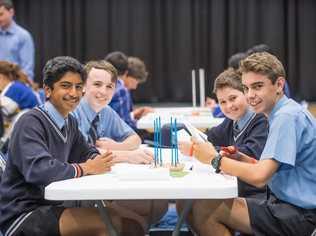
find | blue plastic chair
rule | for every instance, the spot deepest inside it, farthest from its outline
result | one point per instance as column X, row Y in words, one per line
column 3, row 161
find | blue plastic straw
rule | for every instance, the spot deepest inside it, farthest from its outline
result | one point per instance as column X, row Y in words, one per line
column 176, row 142
column 160, row 140
column 155, row 142
column 171, row 141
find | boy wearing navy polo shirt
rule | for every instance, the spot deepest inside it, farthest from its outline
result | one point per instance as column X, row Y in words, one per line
column 287, row 164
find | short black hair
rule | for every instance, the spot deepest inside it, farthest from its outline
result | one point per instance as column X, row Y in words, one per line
column 8, row 4
column 259, row 48
column 57, row 67
column 235, row 59
column 119, row 60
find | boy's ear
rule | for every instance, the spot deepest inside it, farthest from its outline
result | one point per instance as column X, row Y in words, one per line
column 125, row 75
column 280, row 84
column 48, row 91
column 12, row 12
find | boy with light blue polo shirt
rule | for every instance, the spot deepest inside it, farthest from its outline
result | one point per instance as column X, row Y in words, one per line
column 111, row 132
column 112, row 126
column 287, row 164
column 100, row 124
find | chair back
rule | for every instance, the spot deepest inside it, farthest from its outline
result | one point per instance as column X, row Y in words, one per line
column 3, row 161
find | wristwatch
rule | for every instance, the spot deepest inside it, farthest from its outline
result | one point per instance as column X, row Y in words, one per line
column 216, row 162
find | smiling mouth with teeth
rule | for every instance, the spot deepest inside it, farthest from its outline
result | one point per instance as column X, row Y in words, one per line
column 72, row 101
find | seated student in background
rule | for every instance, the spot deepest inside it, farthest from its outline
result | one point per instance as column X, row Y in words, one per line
column 100, row 124
column 242, row 127
column 287, row 164
column 131, row 72
column 47, row 146
column 16, row 95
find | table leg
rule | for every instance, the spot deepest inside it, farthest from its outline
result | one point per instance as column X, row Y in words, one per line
column 106, row 218
column 187, row 207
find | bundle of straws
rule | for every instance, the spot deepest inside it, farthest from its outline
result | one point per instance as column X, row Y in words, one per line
column 157, row 142
column 174, row 142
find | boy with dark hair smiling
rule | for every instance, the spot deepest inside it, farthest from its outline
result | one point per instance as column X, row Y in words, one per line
column 47, row 146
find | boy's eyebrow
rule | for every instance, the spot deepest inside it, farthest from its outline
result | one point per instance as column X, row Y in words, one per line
column 65, row 82
column 98, row 80
column 253, row 84
column 69, row 83
column 257, row 83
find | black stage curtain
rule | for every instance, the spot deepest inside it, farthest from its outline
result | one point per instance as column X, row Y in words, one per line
column 175, row 36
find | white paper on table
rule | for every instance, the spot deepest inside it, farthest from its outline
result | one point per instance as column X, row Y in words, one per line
column 183, row 136
column 128, row 172
column 197, row 134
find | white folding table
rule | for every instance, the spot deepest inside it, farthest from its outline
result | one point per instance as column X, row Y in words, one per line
column 200, row 183
column 199, row 117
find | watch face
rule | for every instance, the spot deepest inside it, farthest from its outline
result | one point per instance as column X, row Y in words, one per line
column 215, row 163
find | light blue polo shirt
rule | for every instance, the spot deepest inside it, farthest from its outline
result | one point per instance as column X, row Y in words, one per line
column 54, row 114
column 292, row 143
column 110, row 124
column 17, row 46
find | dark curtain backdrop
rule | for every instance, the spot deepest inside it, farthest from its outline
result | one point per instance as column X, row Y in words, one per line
column 175, row 36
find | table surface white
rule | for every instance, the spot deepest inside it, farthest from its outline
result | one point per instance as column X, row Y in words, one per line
column 200, row 183
column 199, row 117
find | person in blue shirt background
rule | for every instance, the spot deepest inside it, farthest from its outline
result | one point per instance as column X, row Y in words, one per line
column 287, row 163
column 16, row 43
column 16, row 98
column 131, row 72
column 16, row 94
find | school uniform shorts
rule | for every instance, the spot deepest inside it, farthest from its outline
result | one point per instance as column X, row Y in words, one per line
column 275, row 217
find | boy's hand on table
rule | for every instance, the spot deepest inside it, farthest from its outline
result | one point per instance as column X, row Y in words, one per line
column 100, row 164
column 142, row 111
column 140, row 156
